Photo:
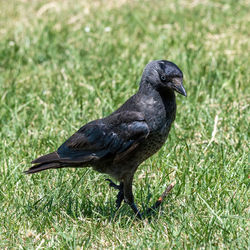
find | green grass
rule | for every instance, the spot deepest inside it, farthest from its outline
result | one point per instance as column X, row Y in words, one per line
column 55, row 77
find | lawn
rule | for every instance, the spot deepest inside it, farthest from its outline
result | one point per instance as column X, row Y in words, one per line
column 64, row 63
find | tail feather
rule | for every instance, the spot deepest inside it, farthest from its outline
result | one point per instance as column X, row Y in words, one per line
column 42, row 166
column 53, row 160
column 52, row 157
column 44, row 162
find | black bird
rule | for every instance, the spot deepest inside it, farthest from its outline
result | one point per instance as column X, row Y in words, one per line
column 117, row 144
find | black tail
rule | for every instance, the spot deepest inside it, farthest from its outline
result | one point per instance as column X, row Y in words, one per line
column 44, row 162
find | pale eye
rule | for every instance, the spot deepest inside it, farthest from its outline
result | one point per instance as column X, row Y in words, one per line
column 163, row 78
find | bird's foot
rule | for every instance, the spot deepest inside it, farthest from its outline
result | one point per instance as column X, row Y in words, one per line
column 112, row 184
column 136, row 211
column 120, row 195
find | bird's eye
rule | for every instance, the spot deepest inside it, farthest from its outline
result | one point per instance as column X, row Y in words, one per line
column 163, row 78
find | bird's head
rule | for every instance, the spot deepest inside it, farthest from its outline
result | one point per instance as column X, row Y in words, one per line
column 164, row 74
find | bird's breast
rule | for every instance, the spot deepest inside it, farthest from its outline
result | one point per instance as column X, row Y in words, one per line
column 158, row 120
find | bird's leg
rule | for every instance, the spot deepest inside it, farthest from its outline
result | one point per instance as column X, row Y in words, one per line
column 120, row 195
column 129, row 197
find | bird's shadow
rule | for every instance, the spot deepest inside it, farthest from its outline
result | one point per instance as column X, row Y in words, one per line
column 77, row 207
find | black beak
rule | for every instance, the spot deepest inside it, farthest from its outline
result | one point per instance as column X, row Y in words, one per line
column 178, row 87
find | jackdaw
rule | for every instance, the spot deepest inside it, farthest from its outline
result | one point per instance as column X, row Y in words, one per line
column 117, row 144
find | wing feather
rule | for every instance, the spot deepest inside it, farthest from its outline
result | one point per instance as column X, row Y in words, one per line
column 117, row 134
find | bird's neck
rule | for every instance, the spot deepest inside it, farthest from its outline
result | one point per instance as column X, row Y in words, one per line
column 158, row 105
column 148, row 90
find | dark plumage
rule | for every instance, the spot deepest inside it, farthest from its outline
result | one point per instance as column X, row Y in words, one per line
column 119, row 143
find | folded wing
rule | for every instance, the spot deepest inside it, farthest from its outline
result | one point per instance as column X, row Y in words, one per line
column 113, row 137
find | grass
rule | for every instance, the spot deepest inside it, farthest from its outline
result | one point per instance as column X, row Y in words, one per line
column 64, row 63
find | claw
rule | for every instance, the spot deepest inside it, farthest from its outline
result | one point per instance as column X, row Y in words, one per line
column 112, row 184
column 136, row 211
